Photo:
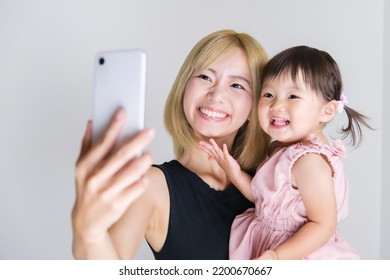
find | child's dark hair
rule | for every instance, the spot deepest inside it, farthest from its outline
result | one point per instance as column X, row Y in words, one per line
column 321, row 73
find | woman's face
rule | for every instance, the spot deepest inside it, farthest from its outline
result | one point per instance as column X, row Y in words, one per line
column 218, row 100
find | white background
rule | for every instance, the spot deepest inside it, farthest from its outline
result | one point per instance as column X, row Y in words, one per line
column 46, row 62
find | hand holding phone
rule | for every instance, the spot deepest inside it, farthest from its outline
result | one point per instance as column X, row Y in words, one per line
column 119, row 82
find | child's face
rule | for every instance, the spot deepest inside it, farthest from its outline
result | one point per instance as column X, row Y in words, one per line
column 218, row 100
column 288, row 110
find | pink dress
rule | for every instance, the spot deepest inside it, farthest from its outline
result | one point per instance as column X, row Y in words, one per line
column 279, row 210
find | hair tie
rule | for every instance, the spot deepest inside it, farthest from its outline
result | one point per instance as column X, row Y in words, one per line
column 342, row 102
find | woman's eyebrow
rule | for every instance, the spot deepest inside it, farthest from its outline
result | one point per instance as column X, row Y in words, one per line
column 232, row 76
column 241, row 78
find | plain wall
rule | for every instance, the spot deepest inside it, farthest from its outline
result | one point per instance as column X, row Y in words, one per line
column 46, row 59
column 385, row 232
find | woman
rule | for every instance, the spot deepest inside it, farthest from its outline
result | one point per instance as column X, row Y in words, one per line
column 188, row 205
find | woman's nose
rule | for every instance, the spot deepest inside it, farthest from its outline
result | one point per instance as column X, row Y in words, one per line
column 217, row 93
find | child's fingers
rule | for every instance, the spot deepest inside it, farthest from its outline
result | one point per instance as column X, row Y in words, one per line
column 225, row 151
column 217, row 149
column 207, row 148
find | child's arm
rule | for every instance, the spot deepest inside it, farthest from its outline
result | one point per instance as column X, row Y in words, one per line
column 231, row 167
column 312, row 175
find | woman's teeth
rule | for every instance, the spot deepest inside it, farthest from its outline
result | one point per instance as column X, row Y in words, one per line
column 213, row 114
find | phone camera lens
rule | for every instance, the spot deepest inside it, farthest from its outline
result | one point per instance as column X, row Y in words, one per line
column 101, row 61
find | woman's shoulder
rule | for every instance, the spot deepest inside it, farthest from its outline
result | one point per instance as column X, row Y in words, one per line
column 156, row 180
column 169, row 166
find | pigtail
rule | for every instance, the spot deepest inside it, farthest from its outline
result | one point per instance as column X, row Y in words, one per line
column 354, row 127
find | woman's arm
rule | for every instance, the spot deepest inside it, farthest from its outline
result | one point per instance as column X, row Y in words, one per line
column 146, row 218
column 105, row 187
column 312, row 175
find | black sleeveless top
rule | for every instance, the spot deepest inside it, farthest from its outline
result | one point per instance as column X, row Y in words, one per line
column 200, row 217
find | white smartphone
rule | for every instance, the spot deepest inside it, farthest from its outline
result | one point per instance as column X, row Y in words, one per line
column 119, row 82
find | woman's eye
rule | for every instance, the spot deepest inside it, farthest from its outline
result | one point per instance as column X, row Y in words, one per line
column 237, row 86
column 204, row 77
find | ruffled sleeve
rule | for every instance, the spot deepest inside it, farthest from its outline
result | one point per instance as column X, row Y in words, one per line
column 334, row 153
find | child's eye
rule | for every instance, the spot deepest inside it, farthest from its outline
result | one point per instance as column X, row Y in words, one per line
column 204, row 77
column 238, row 86
column 293, row 96
column 267, row 95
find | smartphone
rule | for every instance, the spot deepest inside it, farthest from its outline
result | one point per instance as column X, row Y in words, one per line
column 119, row 82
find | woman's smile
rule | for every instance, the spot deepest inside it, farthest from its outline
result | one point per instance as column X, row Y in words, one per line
column 209, row 113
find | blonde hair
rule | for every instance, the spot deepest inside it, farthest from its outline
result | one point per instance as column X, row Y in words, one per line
column 251, row 143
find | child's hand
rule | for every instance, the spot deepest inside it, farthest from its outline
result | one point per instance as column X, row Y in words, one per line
column 238, row 178
column 268, row 255
column 224, row 159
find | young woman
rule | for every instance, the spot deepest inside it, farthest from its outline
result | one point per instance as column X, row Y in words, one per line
column 183, row 208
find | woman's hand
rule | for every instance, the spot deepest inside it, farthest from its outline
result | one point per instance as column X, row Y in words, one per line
column 106, row 184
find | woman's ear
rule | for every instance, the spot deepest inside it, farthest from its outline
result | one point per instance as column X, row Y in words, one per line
column 330, row 110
